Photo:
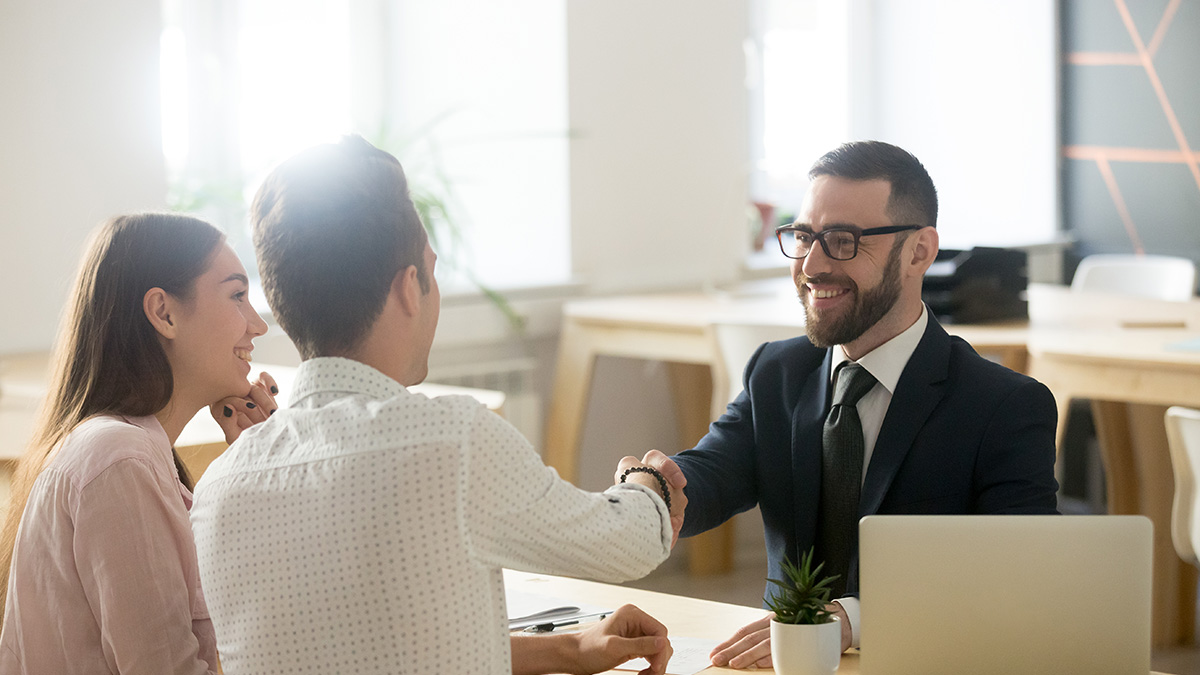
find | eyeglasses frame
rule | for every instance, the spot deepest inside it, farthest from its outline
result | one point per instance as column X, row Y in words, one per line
column 820, row 237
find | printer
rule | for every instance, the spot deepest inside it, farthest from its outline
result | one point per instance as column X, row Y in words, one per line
column 981, row 285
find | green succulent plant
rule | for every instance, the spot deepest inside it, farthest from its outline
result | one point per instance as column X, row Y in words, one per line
column 802, row 598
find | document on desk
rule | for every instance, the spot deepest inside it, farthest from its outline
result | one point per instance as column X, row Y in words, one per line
column 691, row 656
column 529, row 609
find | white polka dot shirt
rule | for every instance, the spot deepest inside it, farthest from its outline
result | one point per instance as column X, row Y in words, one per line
column 363, row 530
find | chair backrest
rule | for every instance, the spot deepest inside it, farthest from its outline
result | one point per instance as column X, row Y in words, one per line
column 1183, row 436
column 736, row 343
column 1148, row 276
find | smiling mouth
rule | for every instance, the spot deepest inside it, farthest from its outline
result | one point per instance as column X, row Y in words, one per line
column 822, row 293
column 243, row 354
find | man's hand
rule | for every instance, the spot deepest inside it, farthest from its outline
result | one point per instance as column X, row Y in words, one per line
column 235, row 414
column 628, row 634
column 670, row 471
column 751, row 645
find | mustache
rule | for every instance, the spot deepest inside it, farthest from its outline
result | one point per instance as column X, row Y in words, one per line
column 831, row 279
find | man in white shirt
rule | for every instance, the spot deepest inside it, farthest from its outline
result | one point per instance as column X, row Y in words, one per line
column 876, row 410
column 364, row 528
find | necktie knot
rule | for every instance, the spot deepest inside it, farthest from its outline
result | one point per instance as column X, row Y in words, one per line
column 852, row 382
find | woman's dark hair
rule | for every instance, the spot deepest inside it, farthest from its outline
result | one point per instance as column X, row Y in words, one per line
column 108, row 358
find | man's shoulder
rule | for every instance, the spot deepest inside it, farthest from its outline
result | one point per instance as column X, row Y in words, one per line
column 326, row 428
column 967, row 364
column 793, row 353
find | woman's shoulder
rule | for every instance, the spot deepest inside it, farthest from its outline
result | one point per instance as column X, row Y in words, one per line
column 102, row 441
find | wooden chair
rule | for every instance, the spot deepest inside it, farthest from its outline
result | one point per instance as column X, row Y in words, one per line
column 1183, row 438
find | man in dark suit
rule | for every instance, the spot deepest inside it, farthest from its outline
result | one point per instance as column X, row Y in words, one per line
column 877, row 410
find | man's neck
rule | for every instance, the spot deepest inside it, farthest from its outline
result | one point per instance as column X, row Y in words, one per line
column 389, row 357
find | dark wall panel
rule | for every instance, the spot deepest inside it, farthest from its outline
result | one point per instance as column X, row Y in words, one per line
column 1120, row 146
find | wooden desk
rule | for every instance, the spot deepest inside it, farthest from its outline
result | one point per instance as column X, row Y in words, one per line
column 683, row 616
column 1132, row 376
column 677, row 328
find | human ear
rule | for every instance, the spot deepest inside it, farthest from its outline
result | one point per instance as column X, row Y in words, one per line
column 924, row 250
column 406, row 287
column 157, row 305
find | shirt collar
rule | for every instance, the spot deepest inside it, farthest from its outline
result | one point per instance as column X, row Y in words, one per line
column 886, row 362
column 332, row 374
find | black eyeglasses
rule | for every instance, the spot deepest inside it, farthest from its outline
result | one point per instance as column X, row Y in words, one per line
column 839, row 244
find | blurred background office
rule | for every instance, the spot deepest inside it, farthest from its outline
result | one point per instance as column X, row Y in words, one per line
column 575, row 148
column 578, row 147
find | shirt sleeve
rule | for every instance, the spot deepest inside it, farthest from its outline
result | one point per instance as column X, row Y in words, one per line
column 520, row 514
column 853, row 611
column 129, row 546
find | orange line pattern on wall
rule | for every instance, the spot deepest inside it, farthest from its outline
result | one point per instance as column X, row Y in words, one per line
column 1102, row 156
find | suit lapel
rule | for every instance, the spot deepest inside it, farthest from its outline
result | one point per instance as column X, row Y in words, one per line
column 807, row 423
column 918, row 392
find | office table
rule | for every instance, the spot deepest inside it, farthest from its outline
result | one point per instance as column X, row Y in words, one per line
column 1132, row 376
column 683, row 616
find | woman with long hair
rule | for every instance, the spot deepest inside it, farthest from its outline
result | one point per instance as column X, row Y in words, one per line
column 97, row 558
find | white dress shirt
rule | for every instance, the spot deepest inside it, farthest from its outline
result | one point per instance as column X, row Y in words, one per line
column 364, row 529
column 885, row 363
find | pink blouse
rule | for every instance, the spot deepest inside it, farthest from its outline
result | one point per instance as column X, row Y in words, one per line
column 104, row 575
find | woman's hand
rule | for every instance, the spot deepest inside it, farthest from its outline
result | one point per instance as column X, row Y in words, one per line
column 236, row 414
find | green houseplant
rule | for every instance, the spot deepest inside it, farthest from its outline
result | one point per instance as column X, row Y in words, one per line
column 806, row 638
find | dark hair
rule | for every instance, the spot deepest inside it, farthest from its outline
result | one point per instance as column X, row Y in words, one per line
column 913, row 199
column 332, row 227
column 108, row 358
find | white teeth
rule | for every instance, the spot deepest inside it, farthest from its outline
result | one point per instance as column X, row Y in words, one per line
column 243, row 354
column 824, row 293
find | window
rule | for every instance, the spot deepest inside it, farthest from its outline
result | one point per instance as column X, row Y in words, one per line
column 968, row 87
column 470, row 97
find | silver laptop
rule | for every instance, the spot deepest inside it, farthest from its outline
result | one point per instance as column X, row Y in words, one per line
column 1005, row 595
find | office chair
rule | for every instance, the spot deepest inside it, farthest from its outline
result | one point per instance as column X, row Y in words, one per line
column 1148, row 276
column 1183, row 438
column 736, row 343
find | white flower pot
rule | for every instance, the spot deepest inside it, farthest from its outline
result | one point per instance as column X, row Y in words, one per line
column 798, row 649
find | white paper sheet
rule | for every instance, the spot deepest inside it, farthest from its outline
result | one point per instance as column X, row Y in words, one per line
column 691, row 656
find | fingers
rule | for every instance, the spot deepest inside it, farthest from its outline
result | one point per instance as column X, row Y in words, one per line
column 235, row 414
column 626, row 462
column 268, row 383
column 264, row 402
column 643, row 636
column 630, row 621
column 230, row 414
column 225, row 417
column 749, row 646
column 667, row 467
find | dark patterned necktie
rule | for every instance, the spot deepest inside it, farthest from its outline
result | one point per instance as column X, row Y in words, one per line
column 841, row 473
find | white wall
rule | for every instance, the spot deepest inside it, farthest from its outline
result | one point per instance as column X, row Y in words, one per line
column 971, row 88
column 79, row 128
column 657, row 105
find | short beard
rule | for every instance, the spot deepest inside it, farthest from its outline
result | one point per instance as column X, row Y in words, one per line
column 867, row 311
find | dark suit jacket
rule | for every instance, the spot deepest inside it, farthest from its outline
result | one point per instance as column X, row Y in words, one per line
column 962, row 435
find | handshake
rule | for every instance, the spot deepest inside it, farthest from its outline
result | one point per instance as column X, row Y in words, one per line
column 659, row 465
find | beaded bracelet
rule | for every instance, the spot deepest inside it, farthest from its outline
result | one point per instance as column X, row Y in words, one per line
column 662, row 482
